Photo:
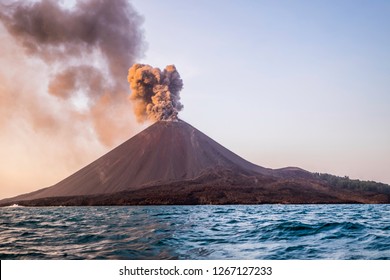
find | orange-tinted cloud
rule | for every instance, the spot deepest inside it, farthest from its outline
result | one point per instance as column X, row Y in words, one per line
column 155, row 93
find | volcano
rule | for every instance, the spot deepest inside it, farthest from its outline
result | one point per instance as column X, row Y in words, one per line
column 172, row 162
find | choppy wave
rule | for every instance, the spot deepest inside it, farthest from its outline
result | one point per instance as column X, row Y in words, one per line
column 197, row 232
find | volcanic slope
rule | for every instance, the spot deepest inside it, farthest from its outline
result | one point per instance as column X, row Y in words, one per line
column 171, row 162
column 165, row 152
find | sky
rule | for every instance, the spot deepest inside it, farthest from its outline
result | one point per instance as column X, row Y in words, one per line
column 280, row 83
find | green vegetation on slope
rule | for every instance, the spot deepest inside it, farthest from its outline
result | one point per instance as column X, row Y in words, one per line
column 353, row 184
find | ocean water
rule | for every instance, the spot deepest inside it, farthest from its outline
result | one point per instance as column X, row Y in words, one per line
column 196, row 232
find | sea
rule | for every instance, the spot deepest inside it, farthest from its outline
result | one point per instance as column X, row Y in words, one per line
column 206, row 232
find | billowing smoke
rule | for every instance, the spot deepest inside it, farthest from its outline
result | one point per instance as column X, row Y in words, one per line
column 155, row 93
column 87, row 49
column 63, row 90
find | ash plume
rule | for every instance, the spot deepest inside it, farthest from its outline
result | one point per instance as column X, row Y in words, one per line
column 86, row 50
column 155, row 93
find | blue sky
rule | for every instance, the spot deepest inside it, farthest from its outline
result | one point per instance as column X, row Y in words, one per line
column 282, row 83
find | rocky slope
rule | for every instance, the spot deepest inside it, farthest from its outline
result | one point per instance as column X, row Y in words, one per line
column 172, row 162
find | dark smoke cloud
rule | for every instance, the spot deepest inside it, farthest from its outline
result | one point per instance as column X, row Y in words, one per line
column 155, row 93
column 87, row 49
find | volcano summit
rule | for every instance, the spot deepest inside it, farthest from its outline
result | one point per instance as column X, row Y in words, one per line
column 172, row 162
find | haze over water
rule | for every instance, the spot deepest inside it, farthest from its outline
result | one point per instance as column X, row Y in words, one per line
column 196, row 232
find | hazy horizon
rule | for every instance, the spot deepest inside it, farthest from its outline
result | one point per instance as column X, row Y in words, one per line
column 279, row 83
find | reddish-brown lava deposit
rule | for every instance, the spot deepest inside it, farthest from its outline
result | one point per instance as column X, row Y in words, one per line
column 171, row 162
